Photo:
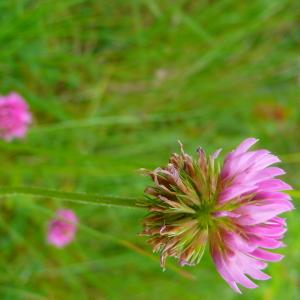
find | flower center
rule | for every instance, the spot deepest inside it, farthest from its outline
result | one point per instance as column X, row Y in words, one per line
column 204, row 216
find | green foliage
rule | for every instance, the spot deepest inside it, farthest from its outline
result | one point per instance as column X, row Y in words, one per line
column 113, row 85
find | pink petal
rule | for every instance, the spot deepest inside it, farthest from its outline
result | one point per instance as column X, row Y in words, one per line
column 252, row 214
column 266, row 255
column 234, row 191
column 274, row 185
column 245, row 145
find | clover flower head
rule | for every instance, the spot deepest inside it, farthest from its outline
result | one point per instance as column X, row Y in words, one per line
column 15, row 117
column 62, row 229
column 232, row 208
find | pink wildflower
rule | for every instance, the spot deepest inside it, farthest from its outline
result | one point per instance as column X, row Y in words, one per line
column 234, row 209
column 14, row 117
column 62, row 228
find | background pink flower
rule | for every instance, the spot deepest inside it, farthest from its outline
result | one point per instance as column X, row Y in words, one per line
column 62, row 228
column 14, row 117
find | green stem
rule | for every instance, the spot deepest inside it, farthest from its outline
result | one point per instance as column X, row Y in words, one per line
column 74, row 197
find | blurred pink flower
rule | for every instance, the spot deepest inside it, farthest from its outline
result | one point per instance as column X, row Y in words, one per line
column 62, row 228
column 233, row 208
column 14, row 117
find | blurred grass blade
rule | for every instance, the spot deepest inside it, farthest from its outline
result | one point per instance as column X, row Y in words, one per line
column 119, row 120
column 17, row 292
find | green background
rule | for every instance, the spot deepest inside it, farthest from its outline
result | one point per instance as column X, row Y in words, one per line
column 113, row 85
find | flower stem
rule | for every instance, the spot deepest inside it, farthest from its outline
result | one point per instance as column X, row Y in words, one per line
column 82, row 198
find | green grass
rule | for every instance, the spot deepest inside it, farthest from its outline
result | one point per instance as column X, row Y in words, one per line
column 113, row 85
